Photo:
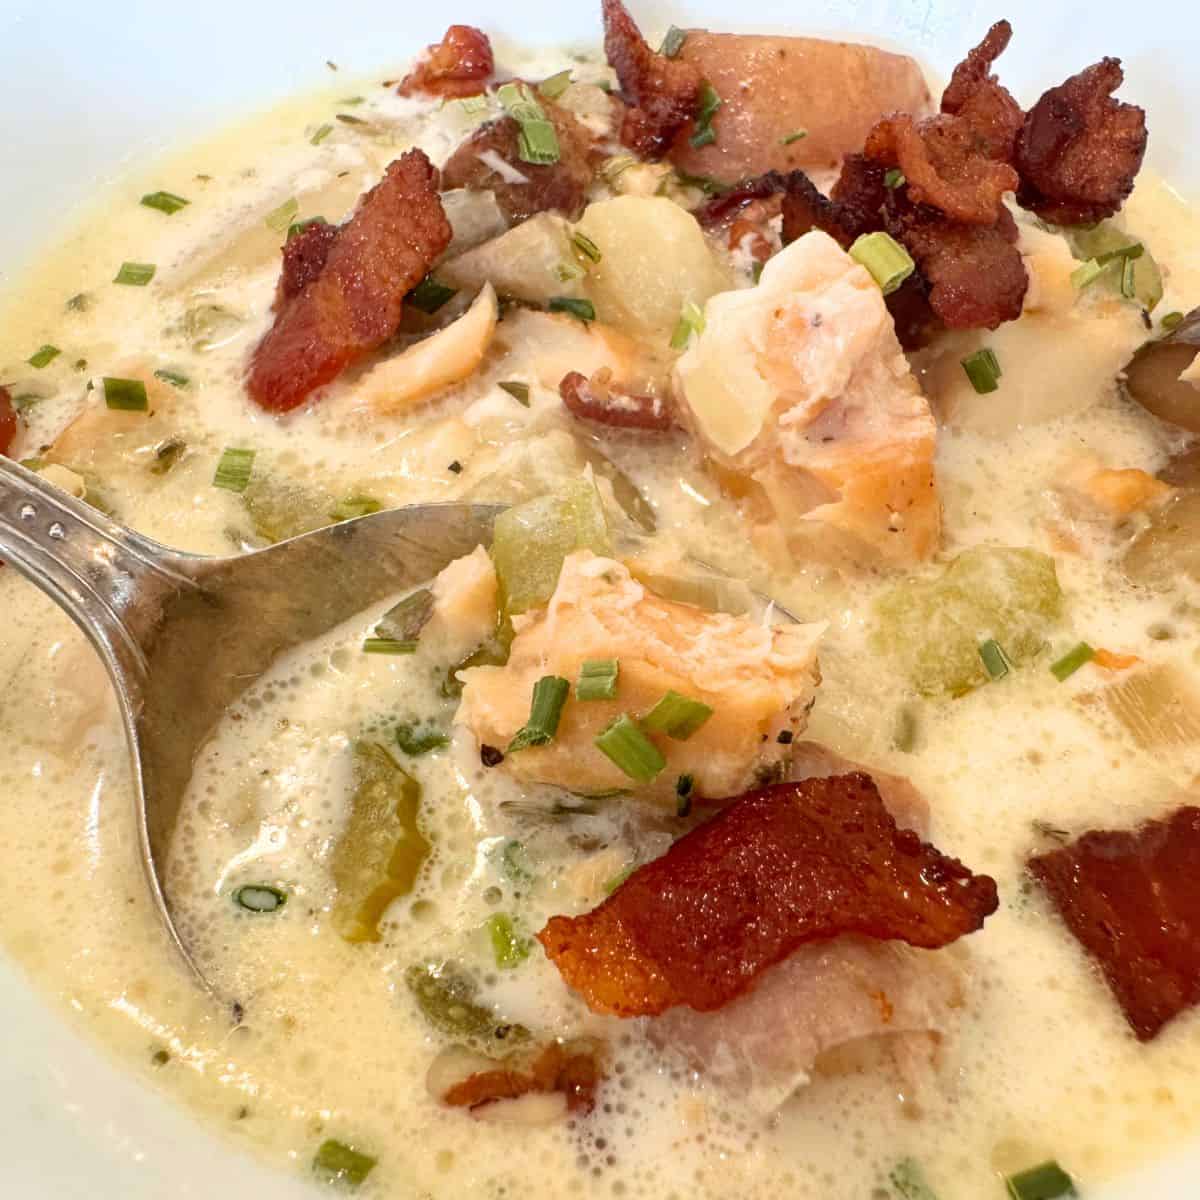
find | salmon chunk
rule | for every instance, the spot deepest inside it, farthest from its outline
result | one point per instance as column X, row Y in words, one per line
column 758, row 679
column 799, row 388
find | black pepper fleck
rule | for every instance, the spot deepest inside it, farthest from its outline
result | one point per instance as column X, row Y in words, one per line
column 456, row 467
column 785, row 737
column 490, row 756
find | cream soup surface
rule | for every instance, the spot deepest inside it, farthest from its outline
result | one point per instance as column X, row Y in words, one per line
column 1040, row 1062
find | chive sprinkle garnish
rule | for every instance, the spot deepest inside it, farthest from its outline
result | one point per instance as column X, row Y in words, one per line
column 379, row 645
column 1172, row 319
column 894, row 178
column 672, row 42
column 355, row 506
column 125, row 395
column 1045, row 1182
column 710, row 105
column 234, row 469
column 509, row 948
column 909, row 1180
column 683, row 795
column 135, row 274
column 630, row 749
column 1128, row 278
column 1087, row 274
column 44, row 357
column 165, row 202
column 1076, row 657
column 597, row 679
column 797, row 135
column 887, row 261
column 677, row 716
column 545, row 710
column 537, row 142
column 983, row 370
column 429, row 295
column 1131, row 251
column 297, row 227
column 174, row 378
column 554, row 87
column 321, row 134
column 691, row 321
column 280, row 218
column 995, row 661
column 518, row 391
column 585, row 248
column 259, row 898
column 335, row 1162
column 584, row 310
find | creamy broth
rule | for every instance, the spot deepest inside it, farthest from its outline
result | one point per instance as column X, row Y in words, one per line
column 1040, row 1062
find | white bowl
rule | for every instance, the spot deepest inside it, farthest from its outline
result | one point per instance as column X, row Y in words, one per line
column 91, row 88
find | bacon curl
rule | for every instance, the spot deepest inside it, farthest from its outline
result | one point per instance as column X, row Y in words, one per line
column 8, row 421
column 598, row 400
column 778, row 868
column 1132, row 900
column 572, row 1070
column 458, row 66
column 353, row 303
column 976, row 95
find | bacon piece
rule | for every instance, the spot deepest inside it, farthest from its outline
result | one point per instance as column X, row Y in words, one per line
column 304, row 257
column 1080, row 150
column 458, row 66
column 8, row 421
column 560, row 186
column 662, row 93
column 975, row 95
column 1132, row 900
column 572, row 1070
column 721, row 208
column 778, row 868
column 599, row 400
column 353, row 305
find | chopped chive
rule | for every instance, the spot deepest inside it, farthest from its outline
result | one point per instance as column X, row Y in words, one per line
column 905, row 737
column 166, row 455
column 44, row 357
column 995, row 662
column 894, row 178
column 584, row 310
column 677, row 716
column 280, row 218
column 300, row 226
column 909, row 1180
column 554, row 87
column 175, row 378
column 1070, row 662
column 135, row 274
column 545, row 710
column 585, row 247
column 1045, row 1182
column 1172, row 319
column 429, row 295
column 611, row 885
column 538, row 141
column 710, row 105
column 887, row 261
column 1087, row 274
column 691, row 321
column 983, row 370
column 165, row 202
column 125, row 395
column 234, row 469
column 335, row 1162
column 672, row 42
column 259, row 898
column 379, row 645
column 1128, row 281
column 515, row 863
column 797, row 135
column 323, row 131
column 597, row 679
column 683, row 795
column 355, row 506
column 630, row 749
column 348, row 119
column 1129, row 252
column 416, row 738
column 353, row 101
column 80, row 302
column 518, row 391
column 509, row 948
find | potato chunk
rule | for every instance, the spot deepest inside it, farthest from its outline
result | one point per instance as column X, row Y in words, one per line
column 758, row 680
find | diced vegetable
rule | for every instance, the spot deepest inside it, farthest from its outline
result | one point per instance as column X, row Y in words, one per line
column 165, row 202
column 545, row 711
column 554, row 87
column 934, row 627
column 1070, row 662
column 509, row 947
column 446, row 998
column 909, row 1180
column 1045, row 1182
column 597, row 679
column 538, row 141
column 531, row 541
column 887, row 261
column 1158, row 706
column 280, row 508
column 135, row 274
column 677, row 716
column 995, row 661
column 335, row 1162
column 381, row 850
column 125, row 395
column 983, row 370
column 417, row 738
column 631, row 750
column 44, row 357
column 234, row 469
column 259, row 898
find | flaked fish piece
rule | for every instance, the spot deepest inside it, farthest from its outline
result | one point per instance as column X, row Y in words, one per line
column 799, row 388
column 758, row 679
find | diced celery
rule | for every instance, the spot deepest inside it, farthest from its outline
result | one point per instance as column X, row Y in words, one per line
column 532, row 539
column 934, row 627
column 281, row 509
column 382, row 849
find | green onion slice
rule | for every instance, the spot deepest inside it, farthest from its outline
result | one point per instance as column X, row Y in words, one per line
column 1085, row 275
column 280, row 218
column 1076, row 657
column 907, row 731
column 509, row 948
column 672, row 42
column 379, row 645
column 894, row 178
column 630, row 749
column 323, row 131
column 584, row 310
column 429, row 295
column 983, row 370
column 1045, row 1182
column 585, row 248
column 545, row 710
column 518, row 391
column 125, row 395
column 175, row 378
column 677, row 716
column 538, row 141
column 259, row 898
column 355, row 506
column 611, row 885
column 1128, row 278
column 135, row 274
column 597, row 679
column 353, row 101
column 554, row 87
column 888, row 261
column 165, row 202
column 420, row 737
column 691, row 321
column 684, row 787
column 44, row 356
column 234, row 469
column 995, row 662
column 797, row 135
column 335, row 1162
column 710, row 105
column 1132, row 251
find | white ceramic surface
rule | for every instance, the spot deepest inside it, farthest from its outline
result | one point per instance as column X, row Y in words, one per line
column 89, row 86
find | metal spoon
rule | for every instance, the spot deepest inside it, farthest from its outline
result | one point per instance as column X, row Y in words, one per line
column 183, row 635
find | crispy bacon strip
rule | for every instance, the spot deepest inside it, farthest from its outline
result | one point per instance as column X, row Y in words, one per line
column 976, row 95
column 459, row 65
column 662, row 93
column 8, row 421
column 598, row 400
column 353, row 304
column 304, row 257
column 559, row 187
column 572, row 1070
column 729, row 203
column 1080, row 150
column 1132, row 899
column 778, row 868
